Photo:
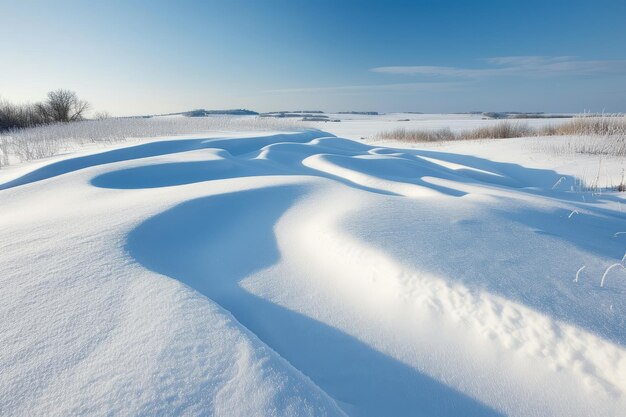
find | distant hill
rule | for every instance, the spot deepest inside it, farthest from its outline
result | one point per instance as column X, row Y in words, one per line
column 232, row 112
column 282, row 114
column 523, row 115
column 366, row 113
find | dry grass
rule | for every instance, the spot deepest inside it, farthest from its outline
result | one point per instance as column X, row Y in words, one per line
column 614, row 125
column 503, row 130
column 414, row 135
column 500, row 130
column 591, row 135
column 609, row 145
column 21, row 145
column 4, row 152
column 595, row 135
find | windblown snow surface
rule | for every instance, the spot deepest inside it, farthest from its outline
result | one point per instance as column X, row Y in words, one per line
column 303, row 274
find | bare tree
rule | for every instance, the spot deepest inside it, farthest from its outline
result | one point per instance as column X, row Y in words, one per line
column 63, row 106
column 17, row 116
column 102, row 115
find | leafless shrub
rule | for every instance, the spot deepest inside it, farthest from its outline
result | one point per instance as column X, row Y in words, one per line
column 102, row 115
column 15, row 116
column 63, row 106
column 60, row 106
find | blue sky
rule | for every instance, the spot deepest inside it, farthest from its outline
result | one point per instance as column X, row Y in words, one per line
column 139, row 57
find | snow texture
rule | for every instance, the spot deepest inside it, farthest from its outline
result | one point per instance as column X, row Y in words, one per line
column 306, row 274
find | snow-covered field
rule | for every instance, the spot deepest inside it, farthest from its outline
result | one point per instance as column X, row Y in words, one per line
column 302, row 273
column 356, row 126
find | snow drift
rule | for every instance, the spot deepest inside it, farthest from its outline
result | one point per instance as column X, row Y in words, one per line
column 305, row 274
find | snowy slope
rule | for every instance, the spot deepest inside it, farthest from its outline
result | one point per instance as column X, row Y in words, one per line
column 305, row 274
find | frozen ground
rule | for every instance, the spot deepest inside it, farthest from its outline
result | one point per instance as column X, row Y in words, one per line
column 306, row 274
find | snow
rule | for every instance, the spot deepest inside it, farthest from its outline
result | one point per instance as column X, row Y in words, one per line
column 306, row 274
column 536, row 152
column 355, row 126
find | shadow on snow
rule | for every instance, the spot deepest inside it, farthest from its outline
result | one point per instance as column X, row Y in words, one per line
column 212, row 243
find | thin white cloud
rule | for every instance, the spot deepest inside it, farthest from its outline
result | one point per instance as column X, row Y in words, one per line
column 516, row 66
column 417, row 86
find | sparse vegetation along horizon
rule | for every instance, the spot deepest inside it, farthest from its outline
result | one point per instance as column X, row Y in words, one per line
column 595, row 135
column 604, row 135
column 21, row 145
column 60, row 106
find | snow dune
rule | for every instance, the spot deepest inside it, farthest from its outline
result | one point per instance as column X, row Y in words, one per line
column 305, row 274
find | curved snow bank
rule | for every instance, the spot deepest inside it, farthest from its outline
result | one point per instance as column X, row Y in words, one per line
column 384, row 174
column 215, row 242
column 233, row 145
column 411, row 308
column 308, row 273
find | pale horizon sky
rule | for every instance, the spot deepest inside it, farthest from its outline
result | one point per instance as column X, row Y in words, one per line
column 150, row 57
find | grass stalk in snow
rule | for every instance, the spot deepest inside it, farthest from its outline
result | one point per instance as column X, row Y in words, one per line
column 606, row 272
column 48, row 140
column 578, row 272
column 556, row 184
